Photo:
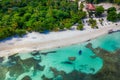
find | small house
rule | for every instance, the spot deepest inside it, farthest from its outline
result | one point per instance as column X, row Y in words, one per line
column 90, row 7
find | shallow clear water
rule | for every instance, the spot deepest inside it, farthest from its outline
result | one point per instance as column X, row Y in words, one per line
column 109, row 42
column 83, row 62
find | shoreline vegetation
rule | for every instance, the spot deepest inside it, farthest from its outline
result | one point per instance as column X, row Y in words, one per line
column 32, row 43
column 19, row 17
column 99, row 1
column 55, row 20
column 22, row 16
column 28, row 27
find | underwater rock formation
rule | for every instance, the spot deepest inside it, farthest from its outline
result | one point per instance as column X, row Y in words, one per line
column 26, row 78
column 1, row 60
column 59, row 77
column 35, row 52
column 39, row 67
column 111, row 67
column 45, row 78
column 3, row 71
column 66, row 62
column 74, row 75
column 45, row 53
column 109, row 71
column 72, row 58
column 19, row 67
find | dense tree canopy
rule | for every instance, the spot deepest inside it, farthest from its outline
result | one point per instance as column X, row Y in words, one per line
column 99, row 10
column 93, row 23
column 98, row 1
column 19, row 16
column 111, row 9
column 118, row 16
column 112, row 14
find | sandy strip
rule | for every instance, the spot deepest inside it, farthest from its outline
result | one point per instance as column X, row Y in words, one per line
column 36, row 41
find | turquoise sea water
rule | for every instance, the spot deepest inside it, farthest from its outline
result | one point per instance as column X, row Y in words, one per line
column 84, row 62
column 109, row 42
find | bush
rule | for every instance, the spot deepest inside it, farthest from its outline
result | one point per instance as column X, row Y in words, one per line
column 99, row 10
column 93, row 23
column 80, row 27
column 112, row 16
column 118, row 16
column 111, row 9
column 20, row 32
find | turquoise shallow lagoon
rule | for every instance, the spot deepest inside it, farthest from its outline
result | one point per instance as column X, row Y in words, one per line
column 83, row 60
column 109, row 42
column 83, row 63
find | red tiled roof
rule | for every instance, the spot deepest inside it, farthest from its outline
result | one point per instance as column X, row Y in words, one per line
column 90, row 7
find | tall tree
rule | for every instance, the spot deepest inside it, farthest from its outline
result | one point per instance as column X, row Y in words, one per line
column 112, row 16
column 111, row 9
column 99, row 10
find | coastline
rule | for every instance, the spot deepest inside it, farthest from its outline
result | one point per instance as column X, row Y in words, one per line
column 67, row 38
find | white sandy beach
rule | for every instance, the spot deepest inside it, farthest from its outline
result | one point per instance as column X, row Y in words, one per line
column 36, row 41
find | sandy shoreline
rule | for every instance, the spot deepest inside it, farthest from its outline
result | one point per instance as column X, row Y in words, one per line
column 51, row 40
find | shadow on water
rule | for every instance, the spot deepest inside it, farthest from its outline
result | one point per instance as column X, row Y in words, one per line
column 45, row 53
column 66, row 62
column 80, row 52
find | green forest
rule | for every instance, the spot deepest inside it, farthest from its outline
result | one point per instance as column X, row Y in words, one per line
column 20, row 16
column 98, row 1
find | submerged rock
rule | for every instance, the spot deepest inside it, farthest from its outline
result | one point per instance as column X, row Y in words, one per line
column 67, row 62
column 59, row 77
column 45, row 53
column 36, row 55
column 10, row 61
column 92, row 69
column 13, row 57
column 56, row 73
column 35, row 52
column 74, row 75
column 27, row 78
column 89, row 45
column 45, row 78
column 39, row 67
column 93, row 56
column 1, row 59
column 111, row 67
column 3, row 71
column 22, row 66
column 72, row 58
column 8, row 64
